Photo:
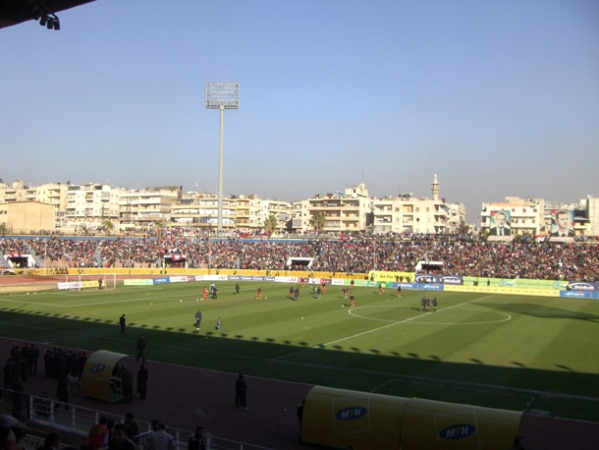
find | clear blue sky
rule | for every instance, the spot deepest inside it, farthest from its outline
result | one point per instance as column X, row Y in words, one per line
column 496, row 97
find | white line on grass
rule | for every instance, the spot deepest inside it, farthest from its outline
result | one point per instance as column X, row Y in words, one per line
column 392, row 376
column 507, row 316
column 26, row 301
column 374, row 330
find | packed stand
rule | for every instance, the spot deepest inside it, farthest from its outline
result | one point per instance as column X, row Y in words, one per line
column 460, row 255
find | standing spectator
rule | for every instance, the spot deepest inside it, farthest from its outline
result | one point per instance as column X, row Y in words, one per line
column 197, row 441
column 48, row 364
column 123, row 323
column 20, row 401
column 10, row 373
column 120, row 441
column 110, row 427
column 160, row 440
column 35, row 355
column 127, row 384
column 132, row 427
column 241, row 389
column 52, row 442
column 142, row 382
column 62, row 391
column 141, row 347
column 12, row 432
column 98, row 434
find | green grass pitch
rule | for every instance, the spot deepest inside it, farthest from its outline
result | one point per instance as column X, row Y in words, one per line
column 512, row 352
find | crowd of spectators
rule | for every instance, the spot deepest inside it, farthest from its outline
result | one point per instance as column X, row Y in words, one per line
column 460, row 255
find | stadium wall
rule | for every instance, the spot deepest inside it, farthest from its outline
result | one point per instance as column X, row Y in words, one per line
column 191, row 272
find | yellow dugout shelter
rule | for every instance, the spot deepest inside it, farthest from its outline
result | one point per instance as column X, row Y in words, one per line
column 102, row 376
column 338, row 418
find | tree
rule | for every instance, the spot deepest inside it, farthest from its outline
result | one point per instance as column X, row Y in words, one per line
column 157, row 227
column 107, row 227
column 270, row 224
column 463, row 228
column 318, row 221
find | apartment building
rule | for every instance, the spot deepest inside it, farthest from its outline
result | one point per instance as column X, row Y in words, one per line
column 343, row 212
column 15, row 192
column 200, row 211
column 538, row 217
column 521, row 216
column 300, row 216
column 280, row 209
column 246, row 214
column 50, row 194
column 410, row 214
column 144, row 208
column 80, row 208
column 89, row 207
column 249, row 217
column 591, row 205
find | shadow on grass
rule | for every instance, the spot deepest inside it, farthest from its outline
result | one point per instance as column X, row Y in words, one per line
column 562, row 391
column 544, row 312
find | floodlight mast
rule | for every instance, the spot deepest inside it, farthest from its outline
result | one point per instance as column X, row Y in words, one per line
column 221, row 95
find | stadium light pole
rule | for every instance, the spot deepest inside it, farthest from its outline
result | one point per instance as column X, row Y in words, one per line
column 221, row 95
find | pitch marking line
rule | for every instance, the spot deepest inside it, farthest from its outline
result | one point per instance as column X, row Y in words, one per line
column 374, row 330
column 506, row 318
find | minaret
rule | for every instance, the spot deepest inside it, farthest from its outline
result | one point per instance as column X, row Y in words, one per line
column 435, row 188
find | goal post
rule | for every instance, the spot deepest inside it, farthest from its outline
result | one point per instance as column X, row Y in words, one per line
column 92, row 280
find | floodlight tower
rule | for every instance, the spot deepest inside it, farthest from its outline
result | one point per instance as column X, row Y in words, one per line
column 221, row 95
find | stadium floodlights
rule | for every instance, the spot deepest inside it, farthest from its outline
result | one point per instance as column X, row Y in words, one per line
column 222, row 94
column 39, row 10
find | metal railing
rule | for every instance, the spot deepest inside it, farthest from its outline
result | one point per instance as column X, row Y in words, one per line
column 78, row 420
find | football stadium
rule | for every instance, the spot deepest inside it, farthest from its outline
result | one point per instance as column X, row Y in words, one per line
column 164, row 318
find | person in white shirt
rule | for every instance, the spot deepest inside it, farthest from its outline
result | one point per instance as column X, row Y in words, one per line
column 160, row 440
